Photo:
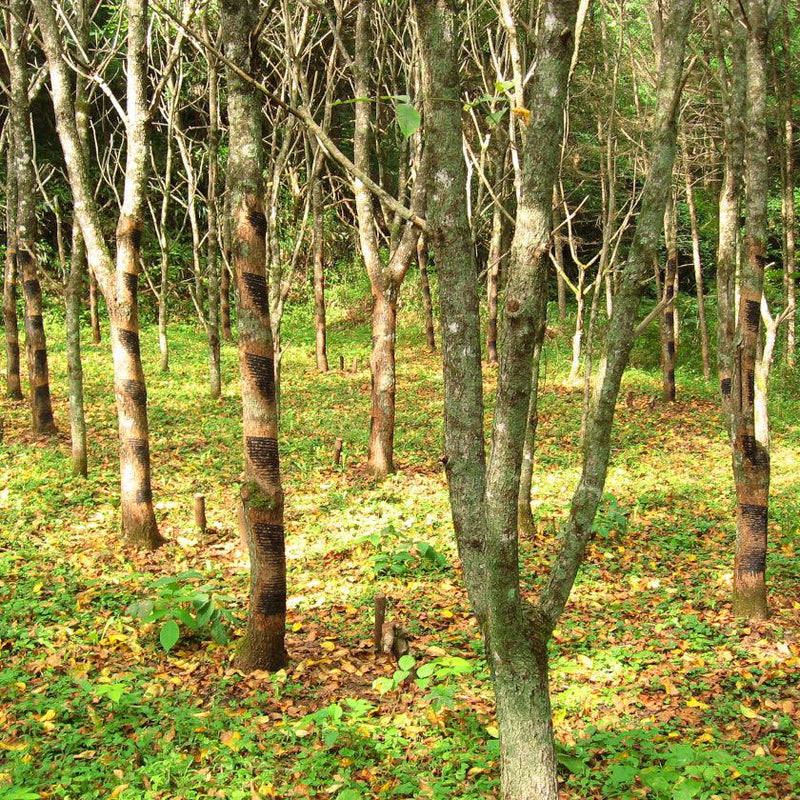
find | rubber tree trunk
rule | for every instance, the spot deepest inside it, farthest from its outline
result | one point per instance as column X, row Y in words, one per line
column 10, row 321
column 698, row 277
column 425, row 286
column 384, row 382
column 212, row 245
column 751, row 462
column 485, row 520
column 318, row 255
column 787, row 187
column 27, row 262
column 94, row 312
column 77, row 275
column 668, row 353
column 729, row 202
column 118, row 283
column 261, row 495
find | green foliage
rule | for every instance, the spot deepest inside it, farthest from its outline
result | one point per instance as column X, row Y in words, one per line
column 183, row 608
column 408, row 558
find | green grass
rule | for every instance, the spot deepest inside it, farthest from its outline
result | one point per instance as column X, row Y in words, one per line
column 657, row 691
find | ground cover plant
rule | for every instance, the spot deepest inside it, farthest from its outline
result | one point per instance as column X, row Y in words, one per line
column 657, row 690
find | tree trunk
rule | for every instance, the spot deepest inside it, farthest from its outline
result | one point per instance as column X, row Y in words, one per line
column 729, row 201
column 10, row 322
column 484, row 519
column 382, row 367
column 668, row 355
column 27, row 262
column 427, row 302
column 318, row 249
column 94, row 313
column 384, row 279
column 698, row 276
column 787, row 188
column 77, row 273
column 527, row 524
column 212, row 246
column 261, row 495
column 493, row 282
column 119, row 285
column 751, row 463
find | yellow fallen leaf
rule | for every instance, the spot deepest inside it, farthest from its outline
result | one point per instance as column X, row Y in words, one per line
column 492, row 731
column 118, row 790
column 585, row 661
column 692, row 703
column 326, row 645
column 748, row 712
column 231, row 739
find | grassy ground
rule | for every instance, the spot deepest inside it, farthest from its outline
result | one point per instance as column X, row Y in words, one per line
column 657, row 691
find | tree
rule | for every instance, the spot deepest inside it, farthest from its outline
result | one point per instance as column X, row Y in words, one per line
column 483, row 496
column 751, row 463
column 118, row 283
column 261, row 494
column 25, row 236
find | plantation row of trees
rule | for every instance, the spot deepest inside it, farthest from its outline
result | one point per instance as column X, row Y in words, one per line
column 200, row 155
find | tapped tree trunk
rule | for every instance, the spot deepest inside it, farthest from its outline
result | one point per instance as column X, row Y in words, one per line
column 10, row 322
column 261, row 495
column 119, row 284
column 751, row 462
column 27, row 262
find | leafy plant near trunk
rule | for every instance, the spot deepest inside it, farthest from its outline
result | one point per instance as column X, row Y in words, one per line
column 184, row 609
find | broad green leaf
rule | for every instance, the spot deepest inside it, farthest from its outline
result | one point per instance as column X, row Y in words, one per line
column 169, row 635
column 408, row 119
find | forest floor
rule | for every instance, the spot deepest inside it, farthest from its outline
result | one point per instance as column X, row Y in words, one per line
column 657, row 690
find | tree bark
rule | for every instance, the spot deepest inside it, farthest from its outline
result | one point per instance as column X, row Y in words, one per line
column 734, row 98
column 484, row 505
column 118, row 284
column 668, row 354
column 698, row 276
column 425, row 286
column 27, row 261
column 261, row 494
column 751, row 462
column 10, row 321
column 212, row 246
column 385, row 280
column 318, row 250
column 94, row 313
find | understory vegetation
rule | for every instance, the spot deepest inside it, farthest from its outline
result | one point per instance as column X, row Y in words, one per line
column 117, row 680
